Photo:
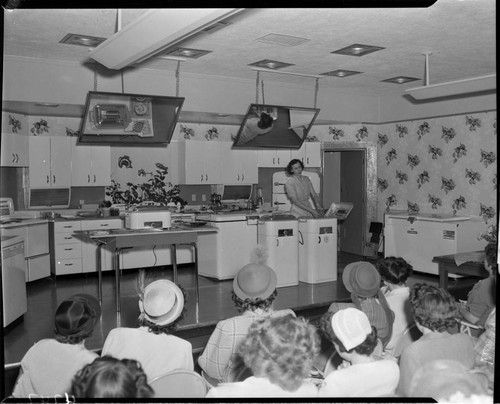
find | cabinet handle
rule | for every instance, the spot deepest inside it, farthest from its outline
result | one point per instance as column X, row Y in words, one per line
column 243, row 177
column 201, row 178
column 68, row 227
column 104, row 224
column 17, row 158
column 277, row 242
column 319, row 239
column 88, row 178
column 54, row 178
column 238, row 178
column 206, row 177
column 13, row 158
column 48, row 179
column 68, row 265
column 68, row 238
column 278, row 160
column 68, row 249
column 308, row 161
column 94, row 178
column 274, row 158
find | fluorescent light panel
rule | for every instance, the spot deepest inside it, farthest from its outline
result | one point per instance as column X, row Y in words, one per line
column 156, row 30
column 451, row 88
column 399, row 80
column 341, row 73
column 270, row 64
column 358, row 50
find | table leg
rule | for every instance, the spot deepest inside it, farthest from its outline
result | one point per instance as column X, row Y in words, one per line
column 99, row 272
column 443, row 276
column 174, row 261
column 197, row 292
column 117, row 278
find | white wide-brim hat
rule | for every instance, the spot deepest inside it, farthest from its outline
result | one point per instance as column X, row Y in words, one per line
column 254, row 281
column 162, row 303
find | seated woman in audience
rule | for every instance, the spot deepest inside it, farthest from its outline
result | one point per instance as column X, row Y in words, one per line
column 50, row 364
column 482, row 297
column 445, row 380
column 362, row 374
column 394, row 272
column 161, row 305
column 108, row 377
column 434, row 310
column 280, row 352
column 363, row 281
column 254, row 291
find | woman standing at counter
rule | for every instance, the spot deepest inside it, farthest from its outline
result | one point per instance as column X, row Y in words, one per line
column 299, row 188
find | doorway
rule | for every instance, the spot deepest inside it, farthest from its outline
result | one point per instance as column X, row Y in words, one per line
column 349, row 175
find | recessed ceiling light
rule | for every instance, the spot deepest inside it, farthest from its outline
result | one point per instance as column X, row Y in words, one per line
column 82, row 40
column 184, row 52
column 270, row 64
column 341, row 73
column 399, row 79
column 358, row 50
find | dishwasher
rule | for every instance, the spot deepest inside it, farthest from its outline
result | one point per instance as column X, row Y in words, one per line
column 13, row 279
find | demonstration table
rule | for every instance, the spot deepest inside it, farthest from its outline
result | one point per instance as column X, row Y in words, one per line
column 448, row 264
column 122, row 239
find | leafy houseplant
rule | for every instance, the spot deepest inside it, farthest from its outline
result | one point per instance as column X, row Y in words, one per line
column 153, row 190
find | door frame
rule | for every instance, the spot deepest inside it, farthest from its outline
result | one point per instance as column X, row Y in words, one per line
column 370, row 185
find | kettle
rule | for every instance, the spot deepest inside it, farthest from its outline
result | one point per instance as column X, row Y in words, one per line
column 215, row 199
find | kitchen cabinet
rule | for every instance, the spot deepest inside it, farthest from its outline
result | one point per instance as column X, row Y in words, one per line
column 66, row 250
column 309, row 154
column 91, row 165
column 49, row 161
column 199, row 162
column 238, row 166
column 14, row 150
column 36, row 248
column 89, row 247
column 277, row 158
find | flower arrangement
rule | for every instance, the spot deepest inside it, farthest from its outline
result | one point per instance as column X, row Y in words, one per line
column 153, row 190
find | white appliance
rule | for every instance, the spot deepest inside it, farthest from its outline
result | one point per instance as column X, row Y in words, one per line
column 418, row 239
column 280, row 237
column 221, row 255
column 280, row 198
column 143, row 219
column 15, row 302
column 317, row 250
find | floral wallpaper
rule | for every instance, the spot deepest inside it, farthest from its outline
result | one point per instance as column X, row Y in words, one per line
column 436, row 165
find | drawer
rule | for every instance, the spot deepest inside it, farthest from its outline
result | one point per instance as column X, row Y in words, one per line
column 65, row 238
column 102, row 224
column 68, row 226
column 65, row 251
column 68, row 266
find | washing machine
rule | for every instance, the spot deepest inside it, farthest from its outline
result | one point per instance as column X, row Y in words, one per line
column 279, row 234
column 317, row 250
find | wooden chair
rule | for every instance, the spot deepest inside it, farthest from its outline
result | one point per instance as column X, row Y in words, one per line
column 473, row 330
column 179, row 384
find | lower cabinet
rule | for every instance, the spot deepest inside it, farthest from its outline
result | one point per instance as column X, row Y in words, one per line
column 66, row 249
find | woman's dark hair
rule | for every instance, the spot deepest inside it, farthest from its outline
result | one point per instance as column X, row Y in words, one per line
column 265, row 121
column 253, row 304
column 394, row 270
column 433, row 307
column 365, row 348
column 108, row 377
column 292, row 163
column 490, row 252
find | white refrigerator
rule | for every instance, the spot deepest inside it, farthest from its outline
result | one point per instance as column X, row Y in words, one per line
column 418, row 239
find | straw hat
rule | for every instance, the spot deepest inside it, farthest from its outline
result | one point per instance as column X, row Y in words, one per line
column 254, row 281
column 162, row 303
column 351, row 326
column 361, row 278
column 77, row 315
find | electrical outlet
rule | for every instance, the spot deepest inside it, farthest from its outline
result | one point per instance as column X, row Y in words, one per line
column 193, row 198
column 203, row 198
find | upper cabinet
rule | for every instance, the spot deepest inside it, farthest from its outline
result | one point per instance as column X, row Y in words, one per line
column 199, row 162
column 238, row 166
column 276, row 158
column 49, row 161
column 90, row 165
column 14, row 150
column 309, row 154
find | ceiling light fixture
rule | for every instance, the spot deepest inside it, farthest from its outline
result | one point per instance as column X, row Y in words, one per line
column 82, row 40
column 399, row 80
column 184, row 53
column 452, row 88
column 341, row 73
column 358, row 50
column 270, row 64
column 154, row 31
